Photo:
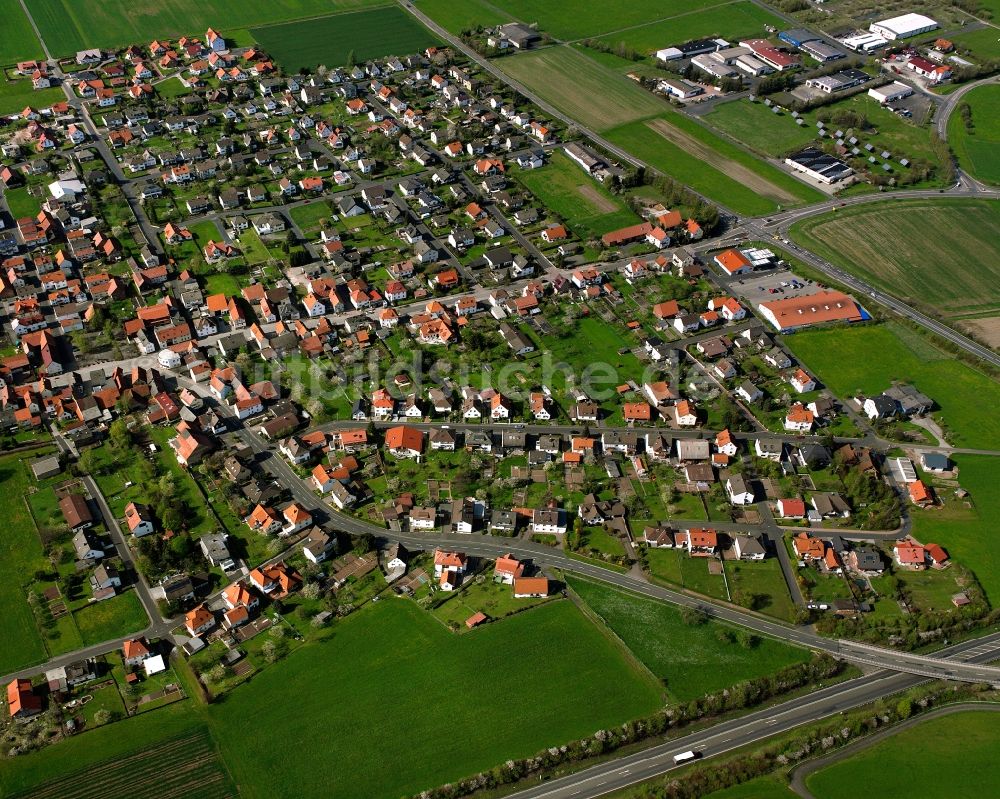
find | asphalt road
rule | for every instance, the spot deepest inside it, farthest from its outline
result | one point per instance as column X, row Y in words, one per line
column 544, row 556
column 754, row 727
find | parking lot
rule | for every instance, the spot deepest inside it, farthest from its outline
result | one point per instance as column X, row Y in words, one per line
column 772, row 284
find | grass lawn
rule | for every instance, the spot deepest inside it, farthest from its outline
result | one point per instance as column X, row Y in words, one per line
column 496, row 600
column 765, row 584
column 691, row 660
column 551, row 665
column 457, row 17
column 759, row 128
column 21, row 203
column 940, row 254
column 17, row 40
column 869, row 358
column 984, row 42
column 15, row 95
column 588, row 208
column 112, row 618
column 309, row 217
column 71, row 25
column 166, row 753
column 576, row 19
column 960, row 529
column 978, row 148
column 732, row 21
column 20, row 556
column 694, row 158
column 571, row 81
column 221, row 283
column 332, row 40
column 964, row 765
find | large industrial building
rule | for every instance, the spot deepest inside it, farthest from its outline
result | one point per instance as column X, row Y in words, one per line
column 903, row 27
column 822, row 307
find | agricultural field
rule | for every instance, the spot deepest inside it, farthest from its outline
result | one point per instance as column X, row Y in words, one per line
column 403, row 676
column 732, row 21
column 17, row 40
column 577, row 19
column 588, row 208
column 710, row 165
column 20, row 556
column 338, row 39
column 112, row 618
column 756, row 126
column 959, row 525
column 691, row 660
column 581, row 87
column 964, row 746
column 977, row 146
column 869, row 358
column 16, row 94
column 71, row 25
column 457, row 17
column 939, row 254
column 167, row 753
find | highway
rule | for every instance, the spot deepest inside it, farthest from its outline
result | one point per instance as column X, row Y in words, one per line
column 758, row 726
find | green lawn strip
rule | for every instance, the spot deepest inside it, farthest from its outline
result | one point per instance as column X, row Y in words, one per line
column 550, row 665
column 759, row 128
column 112, row 618
column 691, row 660
column 960, row 529
column 978, row 148
column 869, row 358
column 964, row 745
column 645, row 143
column 772, row 174
column 20, row 556
column 335, row 40
column 588, row 208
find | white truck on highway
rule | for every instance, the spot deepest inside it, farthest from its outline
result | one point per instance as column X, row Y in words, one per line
column 685, row 757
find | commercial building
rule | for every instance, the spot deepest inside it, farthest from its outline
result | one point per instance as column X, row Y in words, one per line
column 819, row 166
column 864, row 42
column 795, row 313
column 822, row 52
column 891, row 92
column 903, row 27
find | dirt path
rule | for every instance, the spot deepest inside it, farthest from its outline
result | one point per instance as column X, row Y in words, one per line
column 733, row 169
column 799, row 774
column 603, row 205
